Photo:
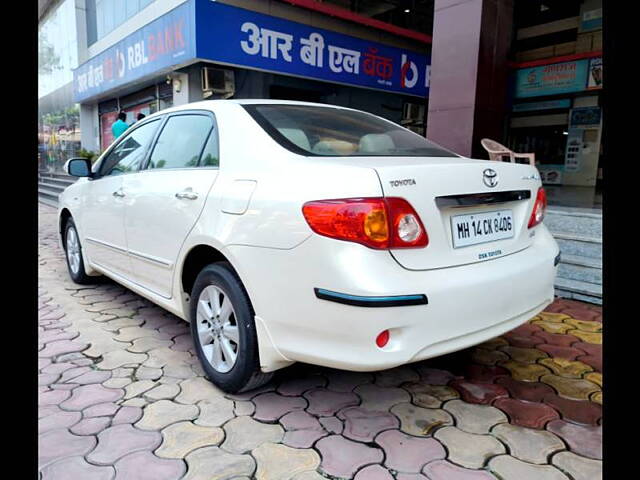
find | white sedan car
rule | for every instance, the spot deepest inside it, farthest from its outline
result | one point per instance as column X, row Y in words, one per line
column 296, row 232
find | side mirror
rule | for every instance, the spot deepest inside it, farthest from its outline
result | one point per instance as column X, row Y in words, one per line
column 78, row 167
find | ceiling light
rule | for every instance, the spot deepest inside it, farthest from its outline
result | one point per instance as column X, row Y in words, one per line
column 406, row 10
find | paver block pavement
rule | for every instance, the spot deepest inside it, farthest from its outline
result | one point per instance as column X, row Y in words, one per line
column 527, row 444
column 469, row 450
column 181, row 438
column 405, row 453
column 279, row 462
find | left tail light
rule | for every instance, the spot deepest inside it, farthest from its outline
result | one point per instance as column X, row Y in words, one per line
column 380, row 223
column 539, row 208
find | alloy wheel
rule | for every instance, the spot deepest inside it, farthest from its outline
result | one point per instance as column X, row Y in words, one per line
column 217, row 328
column 73, row 250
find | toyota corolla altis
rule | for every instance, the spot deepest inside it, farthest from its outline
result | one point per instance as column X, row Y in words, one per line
column 290, row 231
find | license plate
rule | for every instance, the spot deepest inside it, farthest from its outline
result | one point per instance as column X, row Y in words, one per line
column 482, row 227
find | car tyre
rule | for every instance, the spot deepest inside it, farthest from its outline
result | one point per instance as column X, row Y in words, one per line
column 73, row 254
column 224, row 331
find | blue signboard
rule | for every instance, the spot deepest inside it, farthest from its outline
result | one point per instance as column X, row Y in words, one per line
column 235, row 36
column 202, row 29
column 552, row 79
column 162, row 44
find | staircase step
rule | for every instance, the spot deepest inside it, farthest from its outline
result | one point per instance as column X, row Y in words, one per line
column 579, row 272
column 579, row 248
column 582, row 261
column 578, row 287
column 48, row 201
column 47, row 192
column 581, row 222
column 52, row 186
column 64, row 183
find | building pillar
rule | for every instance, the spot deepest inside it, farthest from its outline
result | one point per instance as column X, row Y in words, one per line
column 469, row 72
column 89, row 127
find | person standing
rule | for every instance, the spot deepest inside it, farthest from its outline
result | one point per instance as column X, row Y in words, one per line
column 119, row 126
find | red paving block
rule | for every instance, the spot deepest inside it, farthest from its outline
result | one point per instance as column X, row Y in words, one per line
column 530, row 391
column 589, row 348
column 593, row 360
column 526, row 330
column 479, row 392
column 576, row 411
column 581, row 313
column 527, row 414
column 557, row 339
column 569, row 353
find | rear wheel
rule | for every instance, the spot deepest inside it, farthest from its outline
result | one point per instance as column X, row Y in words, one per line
column 73, row 254
column 224, row 331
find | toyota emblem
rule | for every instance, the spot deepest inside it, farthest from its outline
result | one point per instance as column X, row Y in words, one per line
column 490, row 177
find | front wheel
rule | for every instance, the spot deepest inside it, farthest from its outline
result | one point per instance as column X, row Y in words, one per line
column 223, row 330
column 73, row 254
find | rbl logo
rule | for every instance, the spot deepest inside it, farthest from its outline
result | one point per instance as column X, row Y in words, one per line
column 409, row 75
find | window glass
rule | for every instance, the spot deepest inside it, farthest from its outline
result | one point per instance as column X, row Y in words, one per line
column 210, row 155
column 180, row 142
column 129, row 153
column 327, row 131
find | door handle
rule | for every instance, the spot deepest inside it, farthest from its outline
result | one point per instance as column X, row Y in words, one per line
column 187, row 193
column 118, row 193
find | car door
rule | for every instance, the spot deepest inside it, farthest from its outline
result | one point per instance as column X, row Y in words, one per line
column 104, row 203
column 166, row 197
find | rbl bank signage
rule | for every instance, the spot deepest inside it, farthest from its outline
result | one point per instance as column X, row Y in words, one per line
column 162, row 44
column 234, row 36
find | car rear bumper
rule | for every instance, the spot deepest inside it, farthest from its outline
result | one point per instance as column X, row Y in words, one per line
column 466, row 304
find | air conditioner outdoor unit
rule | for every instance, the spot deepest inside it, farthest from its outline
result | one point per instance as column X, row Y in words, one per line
column 218, row 80
column 412, row 112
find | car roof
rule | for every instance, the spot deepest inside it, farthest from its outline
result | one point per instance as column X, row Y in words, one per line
column 208, row 104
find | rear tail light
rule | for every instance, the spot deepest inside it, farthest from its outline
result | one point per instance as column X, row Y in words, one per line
column 539, row 208
column 381, row 223
column 383, row 338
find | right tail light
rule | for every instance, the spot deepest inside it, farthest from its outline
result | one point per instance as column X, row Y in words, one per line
column 539, row 208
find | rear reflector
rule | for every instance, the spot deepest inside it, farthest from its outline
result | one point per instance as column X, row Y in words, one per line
column 381, row 223
column 539, row 208
column 383, row 338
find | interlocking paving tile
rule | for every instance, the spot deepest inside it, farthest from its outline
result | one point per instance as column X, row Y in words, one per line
column 525, row 372
column 271, row 406
column 119, row 358
column 120, row 440
column 594, row 377
column 530, row 391
column 494, row 343
column 374, row 397
column 373, row 472
column 326, row 403
column 53, row 397
column 61, row 347
column 527, row 414
column 419, row 421
column 58, row 444
column 146, row 466
column 433, row 376
column 279, row 462
column 429, row 396
column 529, row 445
column 90, row 426
column 363, row 425
column 479, row 392
column 148, row 373
column 483, row 373
column 589, row 348
column 243, row 408
column 507, row 467
column 59, row 419
column 101, row 410
column 576, row 411
column 181, row 438
column 404, row 453
column 297, row 386
column 584, row 325
column 524, row 341
column 524, row 355
column 212, row 462
column 164, row 412
column 594, row 361
column 474, row 418
column 243, row 434
column 556, row 339
column 395, row 377
column 477, row 448
column 596, row 397
column 553, row 327
column 580, row 468
column 88, row 395
column 127, row 415
column 444, row 470
column 585, row 440
column 588, row 337
column 571, row 388
column 582, row 313
column 552, row 317
column 557, row 351
column 566, row 368
column 162, row 392
column 135, row 389
column 342, row 457
column 343, row 381
column 488, row 357
column 332, row 424
column 301, row 429
column 76, row 467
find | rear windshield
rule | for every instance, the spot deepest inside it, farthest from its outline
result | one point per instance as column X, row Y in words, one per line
column 326, row 131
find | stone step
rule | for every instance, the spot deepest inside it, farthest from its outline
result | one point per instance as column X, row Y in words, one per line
column 576, row 287
column 573, row 245
column 571, row 271
column 51, row 186
column 48, row 193
column 63, row 182
column 48, row 201
column 583, row 224
column 58, row 176
column 578, row 296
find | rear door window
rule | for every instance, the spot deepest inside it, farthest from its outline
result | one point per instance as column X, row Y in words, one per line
column 327, row 131
column 181, row 141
